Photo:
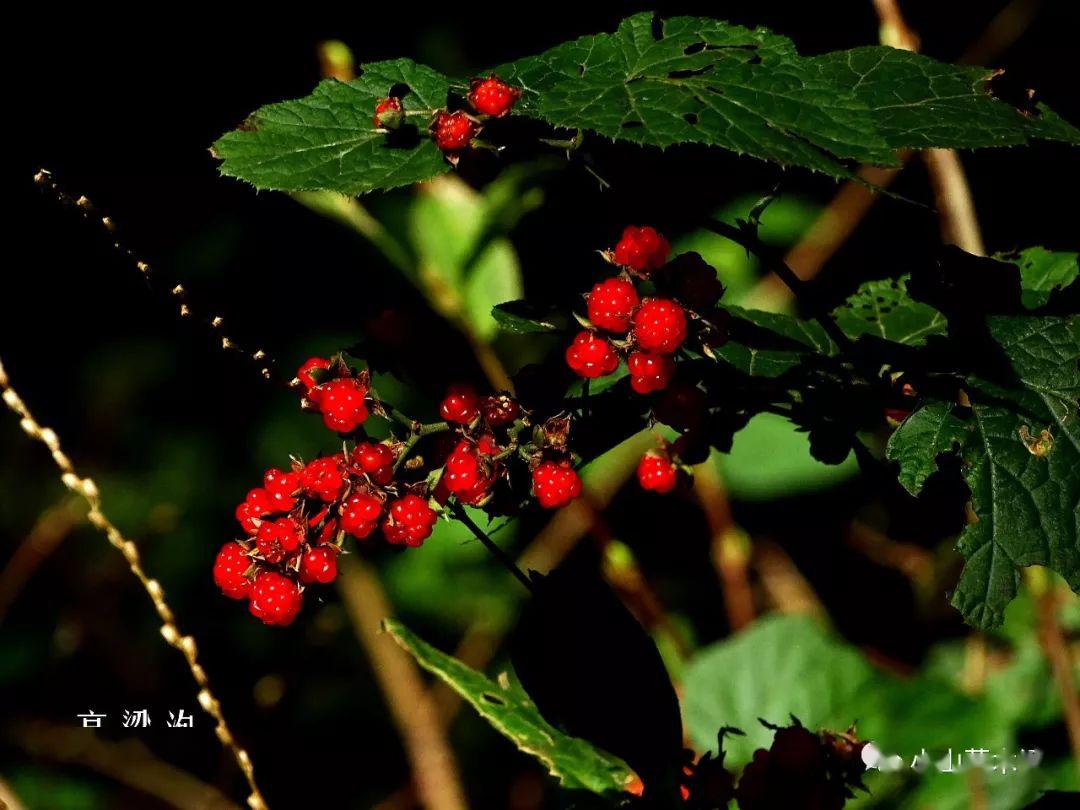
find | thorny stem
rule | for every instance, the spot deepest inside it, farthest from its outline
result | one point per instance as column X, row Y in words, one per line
column 87, row 489
column 496, row 551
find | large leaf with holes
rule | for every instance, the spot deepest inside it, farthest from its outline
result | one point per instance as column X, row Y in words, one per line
column 929, row 432
column 1042, row 272
column 697, row 80
column 329, row 141
column 883, row 309
column 576, row 763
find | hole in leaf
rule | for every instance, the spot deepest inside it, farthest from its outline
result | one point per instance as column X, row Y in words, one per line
column 631, row 124
column 754, row 60
column 657, row 27
column 696, row 47
column 581, row 70
column 495, row 700
column 686, row 74
column 399, row 90
column 690, row 118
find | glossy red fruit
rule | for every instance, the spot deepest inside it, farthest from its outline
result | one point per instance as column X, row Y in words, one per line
column 275, row 599
column 409, row 521
column 377, row 460
column 641, row 249
column 230, row 565
column 342, row 403
column 649, row 372
column 660, row 326
column 461, row 405
column 311, row 364
column 281, row 488
column 360, row 514
column 555, row 483
column 319, row 564
column 277, row 539
column 388, row 113
column 454, row 131
column 591, row 356
column 322, row 478
column 499, row 410
column 462, row 471
column 492, row 96
column 656, row 473
column 611, row 304
column 257, row 505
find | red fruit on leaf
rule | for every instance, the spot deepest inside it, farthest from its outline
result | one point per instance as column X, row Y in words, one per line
column 277, row 539
column 460, row 405
column 591, row 356
column 342, row 403
column 555, row 483
column 322, row 478
column 360, row 514
column 319, row 564
column 649, row 372
column 230, row 565
column 492, row 96
column 611, row 304
column 377, row 460
column 454, row 131
column 304, row 373
column 641, row 249
column 660, row 326
column 389, row 113
column 275, row 599
column 656, row 473
column 409, row 521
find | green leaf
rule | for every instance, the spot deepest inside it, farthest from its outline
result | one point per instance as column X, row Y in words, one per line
column 927, row 433
column 576, row 763
column 328, row 141
column 884, row 309
column 698, row 80
column 523, row 318
column 1042, row 272
column 790, row 665
column 788, row 341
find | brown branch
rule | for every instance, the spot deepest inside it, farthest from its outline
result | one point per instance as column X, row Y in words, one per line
column 129, row 762
column 410, row 701
column 1057, row 652
column 88, row 490
column 785, row 586
column 730, row 547
column 51, row 528
column 8, row 799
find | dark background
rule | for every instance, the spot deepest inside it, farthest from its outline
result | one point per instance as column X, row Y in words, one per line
column 122, row 107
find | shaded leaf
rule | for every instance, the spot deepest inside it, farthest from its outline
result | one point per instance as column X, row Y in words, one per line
column 769, row 344
column 576, row 763
column 523, row 318
column 884, row 310
column 927, row 433
column 1042, row 272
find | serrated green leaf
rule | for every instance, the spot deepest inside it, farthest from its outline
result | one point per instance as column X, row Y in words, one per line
column 884, row 309
column 1042, row 271
column 1026, row 495
column 328, row 140
column 927, row 433
column 522, row 318
column 577, row 764
column 791, row 340
column 698, row 80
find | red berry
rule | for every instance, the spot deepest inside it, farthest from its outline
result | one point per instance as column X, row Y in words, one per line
column 230, row 566
column 304, row 372
column 281, row 487
column 555, row 483
column 681, row 406
column 500, row 410
column 454, row 130
column 277, row 539
column 695, row 282
column 319, row 564
column 257, row 505
column 591, row 356
column 492, row 96
column 342, row 404
column 660, row 325
column 388, row 113
column 409, row 522
column 641, row 249
column 460, row 405
column 322, row 478
column 360, row 514
column 611, row 303
column 655, row 472
column 275, row 599
column 377, row 460
column 462, row 471
column 649, row 372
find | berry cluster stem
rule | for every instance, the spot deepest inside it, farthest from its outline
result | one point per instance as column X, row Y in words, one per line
column 88, row 490
column 496, row 550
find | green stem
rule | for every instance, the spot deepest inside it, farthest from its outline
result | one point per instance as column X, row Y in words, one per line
column 496, row 551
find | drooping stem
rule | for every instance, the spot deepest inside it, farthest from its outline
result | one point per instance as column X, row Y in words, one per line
column 496, row 551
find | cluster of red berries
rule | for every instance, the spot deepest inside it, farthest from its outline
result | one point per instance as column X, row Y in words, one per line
column 489, row 97
column 648, row 330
